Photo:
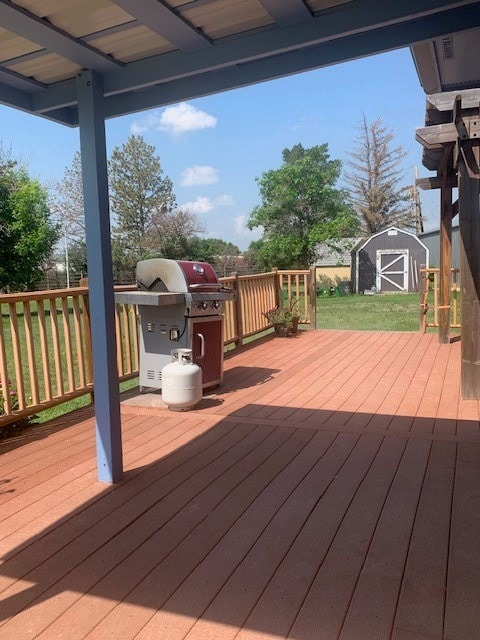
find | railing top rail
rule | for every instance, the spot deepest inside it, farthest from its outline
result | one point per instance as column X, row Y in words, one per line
column 437, row 270
column 294, row 272
column 51, row 294
column 258, row 276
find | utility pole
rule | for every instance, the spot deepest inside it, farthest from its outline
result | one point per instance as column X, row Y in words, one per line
column 417, row 204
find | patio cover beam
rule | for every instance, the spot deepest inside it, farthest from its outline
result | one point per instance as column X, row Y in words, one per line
column 99, row 257
column 292, row 62
column 161, row 19
column 20, row 21
column 349, row 33
column 287, row 11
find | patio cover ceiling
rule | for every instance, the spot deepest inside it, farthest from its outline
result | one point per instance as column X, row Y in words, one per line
column 79, row 61
column 155, row 52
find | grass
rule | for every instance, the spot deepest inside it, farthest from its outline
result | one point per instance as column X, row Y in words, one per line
column 380, row 312
column 76, row 403
column 63, row 408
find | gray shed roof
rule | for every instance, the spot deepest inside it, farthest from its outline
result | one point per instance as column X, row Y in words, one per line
column 334, row 254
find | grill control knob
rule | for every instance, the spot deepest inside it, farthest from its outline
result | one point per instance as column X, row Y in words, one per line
column 216, row 304
column 204, row 305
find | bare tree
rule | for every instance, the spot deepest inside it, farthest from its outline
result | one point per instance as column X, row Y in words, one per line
column 375, row 180
column 67, row 202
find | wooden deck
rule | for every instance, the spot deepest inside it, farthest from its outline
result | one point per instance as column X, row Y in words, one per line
column 330, row 489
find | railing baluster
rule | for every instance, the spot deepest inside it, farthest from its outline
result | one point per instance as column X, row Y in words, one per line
column 77, row 327
column 32, row 366
column 42, row 327
column 4, row 384
column 17, row 356
column 68, row 343
column 88, row 337
column 56, row 348
column 134, row 324
column 126, row 338
column 118, row 336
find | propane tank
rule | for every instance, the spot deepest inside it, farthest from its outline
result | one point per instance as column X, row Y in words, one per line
column 181, row 381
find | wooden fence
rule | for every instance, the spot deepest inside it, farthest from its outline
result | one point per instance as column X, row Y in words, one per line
column 45, row 348
column 429, row 288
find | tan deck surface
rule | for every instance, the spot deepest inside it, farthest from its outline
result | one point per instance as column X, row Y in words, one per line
column 330, row 489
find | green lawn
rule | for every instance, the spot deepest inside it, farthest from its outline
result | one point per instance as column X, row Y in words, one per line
column 380, row 312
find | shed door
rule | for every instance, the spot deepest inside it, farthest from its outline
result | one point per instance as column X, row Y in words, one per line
column 392, row 270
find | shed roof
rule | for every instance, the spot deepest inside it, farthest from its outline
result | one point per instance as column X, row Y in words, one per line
column 156, row 52
column 335, row 254
column 364, row 241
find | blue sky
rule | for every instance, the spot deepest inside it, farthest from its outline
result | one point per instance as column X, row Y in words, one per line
column 213, row 148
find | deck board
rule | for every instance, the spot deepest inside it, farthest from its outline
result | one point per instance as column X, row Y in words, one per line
column 329, row 490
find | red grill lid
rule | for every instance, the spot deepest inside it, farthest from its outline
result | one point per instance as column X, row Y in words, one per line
column 198, row 273
column 160, row 274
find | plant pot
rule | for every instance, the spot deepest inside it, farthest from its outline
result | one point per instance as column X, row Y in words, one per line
column 285, row 330
column 294, row 327
column 281, row 330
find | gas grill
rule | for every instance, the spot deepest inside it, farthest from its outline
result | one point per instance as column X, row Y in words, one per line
column 181, row 305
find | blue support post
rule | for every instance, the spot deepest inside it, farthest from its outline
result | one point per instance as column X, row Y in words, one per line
column 100, row 276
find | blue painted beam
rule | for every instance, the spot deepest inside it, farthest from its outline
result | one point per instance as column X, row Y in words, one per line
column 287, row 11
column 416, row 20
column 11, row 96
column 100, row 277
column 163, row 20
column 17, row 81
column 322, row 55
column 20, row 21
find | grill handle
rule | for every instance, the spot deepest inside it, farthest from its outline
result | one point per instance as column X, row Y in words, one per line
column 202, row 346
column 206, row 285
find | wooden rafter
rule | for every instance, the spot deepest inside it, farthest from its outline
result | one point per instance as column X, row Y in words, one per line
column 20, row 21
column 164, row 21
column 287, row 11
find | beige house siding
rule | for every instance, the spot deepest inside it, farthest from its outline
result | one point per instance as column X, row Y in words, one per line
column 334, row 273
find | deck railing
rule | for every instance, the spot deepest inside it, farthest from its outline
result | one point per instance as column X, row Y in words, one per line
column 45, row 348
column 429, row 298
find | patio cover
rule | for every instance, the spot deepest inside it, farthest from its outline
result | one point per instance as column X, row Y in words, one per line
column 78, row 62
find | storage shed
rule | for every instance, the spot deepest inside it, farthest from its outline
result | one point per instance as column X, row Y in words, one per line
column 388, row 261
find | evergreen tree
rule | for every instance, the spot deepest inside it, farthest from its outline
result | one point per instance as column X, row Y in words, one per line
column 140, row 194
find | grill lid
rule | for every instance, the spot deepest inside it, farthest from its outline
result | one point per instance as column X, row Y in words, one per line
column 182, row 276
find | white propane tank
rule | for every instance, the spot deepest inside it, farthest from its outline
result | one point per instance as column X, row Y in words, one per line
column 181, row 381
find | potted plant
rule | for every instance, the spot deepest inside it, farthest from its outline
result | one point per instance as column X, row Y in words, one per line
column 284, row 318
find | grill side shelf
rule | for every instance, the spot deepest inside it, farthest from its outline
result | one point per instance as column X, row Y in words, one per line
column 153, row 298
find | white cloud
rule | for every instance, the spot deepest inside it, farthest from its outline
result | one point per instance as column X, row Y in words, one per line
column 240, row 229
column 199, row 174
column 225, row 200
column 178, row 119
column 201, row 204
column 185, row 117
column 136, row 128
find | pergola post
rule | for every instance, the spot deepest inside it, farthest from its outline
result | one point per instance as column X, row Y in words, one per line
column 445, row 250
column 451, row 141
column 469, row 213
column 99, row 258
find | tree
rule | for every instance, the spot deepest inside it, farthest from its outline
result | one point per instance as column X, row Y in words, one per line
column 172, row 233
column 251, row 257
column 68, row 201
column 140, row 194
column 300, row 207
column 375, row 180
column 27, row 234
